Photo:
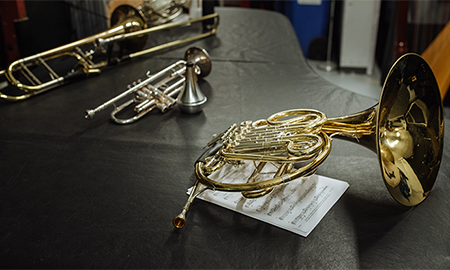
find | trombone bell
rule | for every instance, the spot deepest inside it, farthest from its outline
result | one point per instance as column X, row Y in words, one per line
column 131, row 32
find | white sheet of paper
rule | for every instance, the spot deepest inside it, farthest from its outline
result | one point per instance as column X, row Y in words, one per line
column 297, row 207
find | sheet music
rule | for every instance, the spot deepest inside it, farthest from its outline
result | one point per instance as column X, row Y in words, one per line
column 298, row 206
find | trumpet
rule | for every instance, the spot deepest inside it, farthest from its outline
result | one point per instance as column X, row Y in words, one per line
column 405, row 129
column 162, row 90
column 130, row 31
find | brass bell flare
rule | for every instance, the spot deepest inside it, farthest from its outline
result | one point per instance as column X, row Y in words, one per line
column 200, row 58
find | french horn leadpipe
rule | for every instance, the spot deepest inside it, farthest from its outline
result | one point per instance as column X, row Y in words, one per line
column 405, row 129
column 162, row 90
column 132, row 28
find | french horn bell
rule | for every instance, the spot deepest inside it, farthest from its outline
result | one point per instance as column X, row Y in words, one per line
column 405, row 129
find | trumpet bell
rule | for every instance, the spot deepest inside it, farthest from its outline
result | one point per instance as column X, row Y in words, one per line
column 410, row 130
column 199, row 57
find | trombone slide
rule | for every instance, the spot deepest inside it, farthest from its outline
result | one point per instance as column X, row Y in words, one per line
column 128, row 29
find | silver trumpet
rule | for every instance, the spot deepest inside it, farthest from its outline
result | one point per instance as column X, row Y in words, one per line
column 176, row 83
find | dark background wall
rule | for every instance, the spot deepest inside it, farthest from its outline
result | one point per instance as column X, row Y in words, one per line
column 50, row 24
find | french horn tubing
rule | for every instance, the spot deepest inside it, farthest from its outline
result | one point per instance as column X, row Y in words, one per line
column 162, row 90
column 163, row 11
column 405, row 128
column 130, row 31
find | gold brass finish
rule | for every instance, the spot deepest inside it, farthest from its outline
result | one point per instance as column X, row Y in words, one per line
column 405, row 129
column 132, row 28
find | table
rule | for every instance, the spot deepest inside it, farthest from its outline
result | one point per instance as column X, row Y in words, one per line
column 94, row 194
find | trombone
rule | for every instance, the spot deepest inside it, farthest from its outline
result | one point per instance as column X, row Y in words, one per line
column 405, row 129
column 175, row 83
column 132, row 28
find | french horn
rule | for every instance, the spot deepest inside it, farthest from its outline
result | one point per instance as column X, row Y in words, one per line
column 34, row 74
column 162, row 90
column 405, row 129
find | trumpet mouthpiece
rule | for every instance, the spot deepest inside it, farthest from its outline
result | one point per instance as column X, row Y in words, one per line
column 89, row 114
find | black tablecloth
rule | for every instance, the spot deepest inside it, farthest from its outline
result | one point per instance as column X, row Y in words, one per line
column 94, row 194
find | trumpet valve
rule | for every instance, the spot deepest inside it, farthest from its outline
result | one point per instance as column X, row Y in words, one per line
column 164, row 101
column 162, row 107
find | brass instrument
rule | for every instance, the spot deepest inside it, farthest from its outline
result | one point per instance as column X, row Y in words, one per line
column 130, row 30
column 162, row 11
column 163, row 89
column 405, row 129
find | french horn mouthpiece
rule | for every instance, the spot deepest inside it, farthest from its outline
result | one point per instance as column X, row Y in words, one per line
column 179, row 221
